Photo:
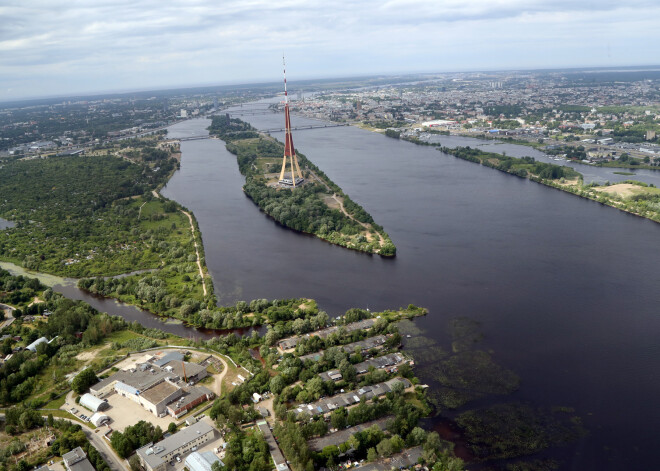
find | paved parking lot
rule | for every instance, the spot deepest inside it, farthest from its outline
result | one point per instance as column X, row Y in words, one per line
column 125, row 412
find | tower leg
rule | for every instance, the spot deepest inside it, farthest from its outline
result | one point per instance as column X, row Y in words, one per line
column 283, row 167
column 293, row 172
column 295, row 159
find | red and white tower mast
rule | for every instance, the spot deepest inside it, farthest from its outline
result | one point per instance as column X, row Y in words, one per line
column 289, row 149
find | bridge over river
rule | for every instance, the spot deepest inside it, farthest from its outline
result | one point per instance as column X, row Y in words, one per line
column 268, row 131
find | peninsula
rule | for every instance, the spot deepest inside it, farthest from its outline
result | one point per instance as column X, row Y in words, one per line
column 317, row 206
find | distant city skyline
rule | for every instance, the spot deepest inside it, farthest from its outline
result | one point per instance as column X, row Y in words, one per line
column 52, row 48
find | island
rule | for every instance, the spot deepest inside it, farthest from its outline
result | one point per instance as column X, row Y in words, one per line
column 318, row 206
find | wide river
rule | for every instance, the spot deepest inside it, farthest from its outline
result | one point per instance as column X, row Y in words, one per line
column 566, row 289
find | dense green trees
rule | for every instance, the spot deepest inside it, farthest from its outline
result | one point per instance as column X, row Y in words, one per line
column 20, row 291
column 134, row 437
column 246, row 451
column 74, row 215
column 294, row 446
column 301, row 210
column 84, row 380
column 21, row 419
column 521, row 167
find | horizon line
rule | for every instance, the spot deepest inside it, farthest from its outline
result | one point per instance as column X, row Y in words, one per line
column 273, row 82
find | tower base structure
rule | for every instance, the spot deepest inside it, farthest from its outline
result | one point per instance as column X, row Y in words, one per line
column 288, row 182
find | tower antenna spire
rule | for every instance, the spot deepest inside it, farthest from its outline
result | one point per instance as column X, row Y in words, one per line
column 286, row 95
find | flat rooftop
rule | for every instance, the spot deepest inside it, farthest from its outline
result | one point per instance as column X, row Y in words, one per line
column 404, row 459
column 362, row 345
column 192, row 369
column 160, row 392
column 323, row 406
column 152, row 453
column 291, row 342
column 275, row 452
column 140, row 380
column 190, row 394
column 385, row 361
column 341, row 436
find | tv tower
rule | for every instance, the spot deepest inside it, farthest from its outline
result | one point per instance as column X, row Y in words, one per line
column 289, row 150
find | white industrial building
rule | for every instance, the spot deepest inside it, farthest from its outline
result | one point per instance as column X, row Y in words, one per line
column 197, row 461
column 33, row 346
column 154, row 457
column 438, row 122
column 99, row 419
column 92, row 403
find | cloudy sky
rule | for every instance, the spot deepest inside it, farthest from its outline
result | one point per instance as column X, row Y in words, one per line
column 63, row 47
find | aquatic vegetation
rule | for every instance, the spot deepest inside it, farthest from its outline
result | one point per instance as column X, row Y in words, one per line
column 465, row 333
column 461, row 377
column 476, row 371
column 533, row 465
column 511, row 430
column 451, row 398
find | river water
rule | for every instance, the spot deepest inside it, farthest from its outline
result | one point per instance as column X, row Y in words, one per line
column 565, row 288
column 591, row 173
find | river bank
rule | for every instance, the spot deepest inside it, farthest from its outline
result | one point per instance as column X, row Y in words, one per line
column 641, row 201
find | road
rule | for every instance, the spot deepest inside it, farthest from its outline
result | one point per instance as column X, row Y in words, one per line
column 217, row 382
column 103, row 447
column 100, row 443
column 9, row 316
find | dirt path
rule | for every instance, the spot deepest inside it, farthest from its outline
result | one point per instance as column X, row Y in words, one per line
column 343, row 210
column 217, row 382
column 36, row 300
column 140, row 211
column 192, row 229
column 320, row 181
column 363, row 224
column 199, row 263
column 268, row 404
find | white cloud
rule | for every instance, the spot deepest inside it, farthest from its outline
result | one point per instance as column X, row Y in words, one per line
column 76, row 46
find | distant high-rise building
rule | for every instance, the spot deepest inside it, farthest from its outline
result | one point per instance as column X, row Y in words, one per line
column 289, row 151
column 215, row 103
column 184, row 113
column 650, row 135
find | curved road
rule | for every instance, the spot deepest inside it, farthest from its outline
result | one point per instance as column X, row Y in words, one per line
column 101, row 445
column 9, row 315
